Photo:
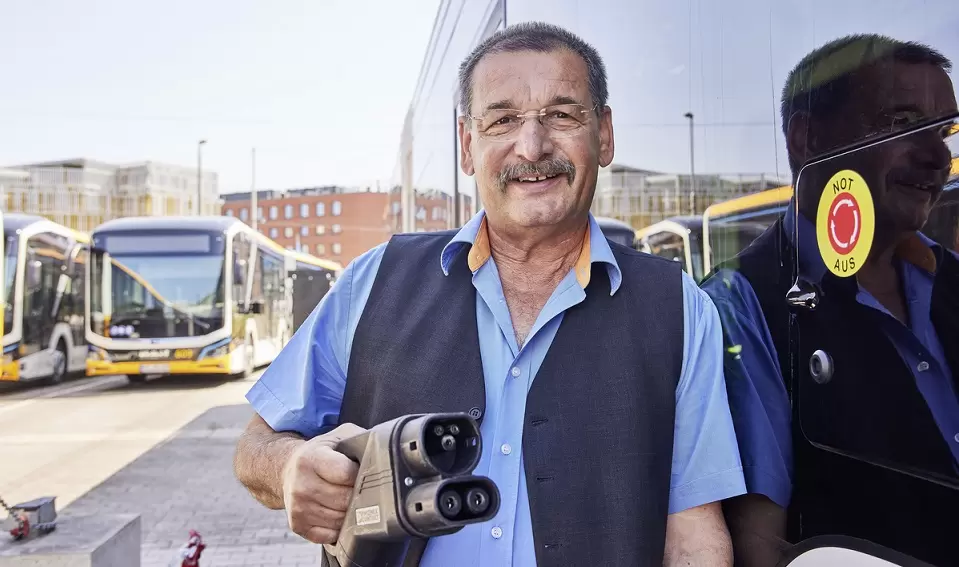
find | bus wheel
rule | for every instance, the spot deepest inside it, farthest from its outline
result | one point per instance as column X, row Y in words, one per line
column 59, row 363
column 136, row 378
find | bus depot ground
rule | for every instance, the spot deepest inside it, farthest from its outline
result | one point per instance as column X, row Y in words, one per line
column 162, row 449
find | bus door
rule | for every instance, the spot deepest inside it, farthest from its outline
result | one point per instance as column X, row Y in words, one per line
column 309, row 288
column 874, row 334
column 673, row 245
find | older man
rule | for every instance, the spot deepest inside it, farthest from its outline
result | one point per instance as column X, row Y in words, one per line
column 596, row 371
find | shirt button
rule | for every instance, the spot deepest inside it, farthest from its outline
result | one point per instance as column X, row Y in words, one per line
column 923, row 366
column 496, row 532
column 516, row 372
column 506, row 449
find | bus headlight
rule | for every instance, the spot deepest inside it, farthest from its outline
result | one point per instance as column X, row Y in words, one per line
column 97, row 353
column 215, row 350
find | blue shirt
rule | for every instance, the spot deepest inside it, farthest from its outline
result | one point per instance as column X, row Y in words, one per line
column 303, row 388
column 757, row 391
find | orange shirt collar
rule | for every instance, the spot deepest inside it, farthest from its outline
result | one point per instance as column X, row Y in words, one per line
column 480, row 253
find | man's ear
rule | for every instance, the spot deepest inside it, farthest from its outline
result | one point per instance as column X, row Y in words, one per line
column 607, row 146
column 466, row 139
column 801, row 140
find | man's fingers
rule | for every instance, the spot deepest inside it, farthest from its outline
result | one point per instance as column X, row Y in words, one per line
column 335, row 468
column 319, row 535
column 307, row 515
column 334, row 497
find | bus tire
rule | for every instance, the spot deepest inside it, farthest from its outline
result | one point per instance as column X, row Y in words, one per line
column 59, row 364
column 136, row 378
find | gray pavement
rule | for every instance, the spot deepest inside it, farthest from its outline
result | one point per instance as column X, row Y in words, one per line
column 187, row 482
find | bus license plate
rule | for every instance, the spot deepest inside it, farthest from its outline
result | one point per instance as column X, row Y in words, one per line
column 154, row 368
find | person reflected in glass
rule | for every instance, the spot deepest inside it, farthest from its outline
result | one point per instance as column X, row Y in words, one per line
column 892, row 342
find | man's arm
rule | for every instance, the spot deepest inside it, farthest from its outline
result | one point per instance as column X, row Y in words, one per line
column 706, row 465
column 697, row 536
column 761, row 414
column 286, row 457
column 261, row 454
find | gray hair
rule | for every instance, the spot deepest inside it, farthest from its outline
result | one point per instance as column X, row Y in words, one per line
column 540, row 37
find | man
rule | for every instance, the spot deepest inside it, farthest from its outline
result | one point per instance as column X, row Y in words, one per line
column 595, row 370
column 833, row 398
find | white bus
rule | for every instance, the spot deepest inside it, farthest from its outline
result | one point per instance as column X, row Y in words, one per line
column 43, row 288
column 191, row 295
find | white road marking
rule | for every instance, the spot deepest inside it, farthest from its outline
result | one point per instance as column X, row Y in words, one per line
column 83, row 386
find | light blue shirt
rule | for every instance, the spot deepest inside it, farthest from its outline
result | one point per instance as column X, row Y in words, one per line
column 303, row 389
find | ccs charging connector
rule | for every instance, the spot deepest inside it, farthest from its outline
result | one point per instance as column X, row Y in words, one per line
column 414, row 480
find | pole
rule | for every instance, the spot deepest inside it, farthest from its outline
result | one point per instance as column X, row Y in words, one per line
column 199, row 177
column 692, row 162
column 253, row 209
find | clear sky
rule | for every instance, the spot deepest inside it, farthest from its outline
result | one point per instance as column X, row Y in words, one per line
column 319, row 87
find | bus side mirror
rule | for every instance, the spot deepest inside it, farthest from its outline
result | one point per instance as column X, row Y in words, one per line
column 34, row 273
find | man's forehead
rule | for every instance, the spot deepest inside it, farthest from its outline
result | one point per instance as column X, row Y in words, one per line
column 923, row 85
column 523, row 77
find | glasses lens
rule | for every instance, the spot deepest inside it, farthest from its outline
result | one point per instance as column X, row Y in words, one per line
column 560, row 121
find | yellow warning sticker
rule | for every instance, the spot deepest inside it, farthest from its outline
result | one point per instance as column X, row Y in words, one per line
column 845, row 223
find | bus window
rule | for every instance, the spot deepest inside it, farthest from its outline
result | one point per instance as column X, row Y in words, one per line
column 668, row 245
column 44, row 263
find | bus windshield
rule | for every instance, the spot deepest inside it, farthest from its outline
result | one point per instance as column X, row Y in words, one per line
column 161, row 285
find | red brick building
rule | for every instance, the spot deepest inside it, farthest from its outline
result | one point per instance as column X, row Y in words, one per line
column 337, row 223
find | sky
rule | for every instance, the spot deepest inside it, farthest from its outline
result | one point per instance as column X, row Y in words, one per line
column 319, row 87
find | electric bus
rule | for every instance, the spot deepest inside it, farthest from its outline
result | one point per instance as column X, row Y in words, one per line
column 193, row 295
column 676, row 238
column 44, row 299
column 730, row 226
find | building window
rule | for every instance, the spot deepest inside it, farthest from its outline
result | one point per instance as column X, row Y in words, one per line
column 420, row 213
column 337, row 229
column 396, row 207
column 321, row 249
column 336, row 249
column 259, row 213
column 229, row 212
column 320, row 230
column 273, row 212
column 305, row 248
column 304, row 230
column 243, row 214
column 304, row 210
column 288, row 232
column 337, row 208
column 320, row 209
column 288, row 211
column 273, row 233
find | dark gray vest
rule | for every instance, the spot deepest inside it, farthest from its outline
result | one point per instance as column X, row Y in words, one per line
column 598, row 431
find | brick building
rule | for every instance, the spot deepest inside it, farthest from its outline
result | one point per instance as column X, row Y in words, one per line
column 336, row 222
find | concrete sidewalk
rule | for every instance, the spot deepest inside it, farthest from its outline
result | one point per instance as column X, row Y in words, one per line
column 187, row 482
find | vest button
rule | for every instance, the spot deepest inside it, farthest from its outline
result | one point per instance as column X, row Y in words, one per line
column 476, row 413
column 923, row 366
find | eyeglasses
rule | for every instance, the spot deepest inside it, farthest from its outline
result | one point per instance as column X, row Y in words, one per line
column 560, row 121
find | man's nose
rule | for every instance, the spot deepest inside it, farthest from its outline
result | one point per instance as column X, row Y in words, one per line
column 932, row 152
column 533, row 141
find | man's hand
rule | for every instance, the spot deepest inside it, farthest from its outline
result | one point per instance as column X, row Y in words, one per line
column 317, row 485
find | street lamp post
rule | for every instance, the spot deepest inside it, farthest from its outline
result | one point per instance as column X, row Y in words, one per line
column 692, row 165
column 199, row 177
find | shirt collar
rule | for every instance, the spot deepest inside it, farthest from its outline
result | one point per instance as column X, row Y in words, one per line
column 919, row 250
column 475, row 234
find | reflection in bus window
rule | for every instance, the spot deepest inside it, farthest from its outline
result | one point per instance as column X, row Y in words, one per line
column 840, row 319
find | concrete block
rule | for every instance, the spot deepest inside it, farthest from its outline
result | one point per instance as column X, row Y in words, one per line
column 79, row 541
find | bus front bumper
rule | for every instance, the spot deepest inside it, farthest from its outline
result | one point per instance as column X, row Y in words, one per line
column 211, row 365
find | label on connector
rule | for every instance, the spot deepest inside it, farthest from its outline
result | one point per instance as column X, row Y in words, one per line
column 368, row 515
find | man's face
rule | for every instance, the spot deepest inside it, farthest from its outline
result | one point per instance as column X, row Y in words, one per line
column 906, row 175
column 538, row 176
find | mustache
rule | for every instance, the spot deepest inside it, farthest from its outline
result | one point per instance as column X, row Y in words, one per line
column 548, row 167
